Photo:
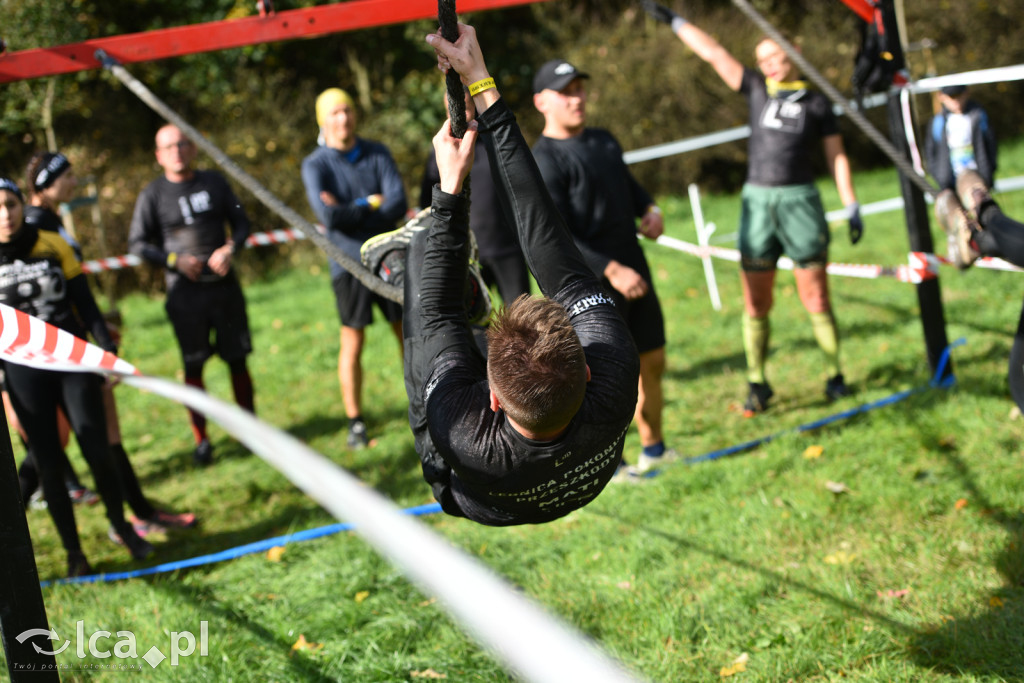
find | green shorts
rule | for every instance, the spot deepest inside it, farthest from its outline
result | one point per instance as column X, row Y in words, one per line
column 786, row 220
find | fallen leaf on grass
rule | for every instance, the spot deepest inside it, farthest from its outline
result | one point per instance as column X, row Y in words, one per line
column 738, row 665
column 427, row 673
column 961, row 504
column 837, row 487
column 428, row 603
column 813, row 452
column 840, row 557
column 891, row 594
column 303, row 644
column 275, row 553
column 362, row 595
column 995, row 601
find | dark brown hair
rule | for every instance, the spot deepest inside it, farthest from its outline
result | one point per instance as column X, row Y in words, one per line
column 535, row 364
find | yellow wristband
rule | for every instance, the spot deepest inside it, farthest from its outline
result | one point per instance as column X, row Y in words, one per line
column 481, row 85
column 172, row 260
column 374, row 201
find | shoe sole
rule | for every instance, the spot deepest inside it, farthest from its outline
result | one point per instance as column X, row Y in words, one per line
column 952, row 217
column 972, row 191
column 373, row 251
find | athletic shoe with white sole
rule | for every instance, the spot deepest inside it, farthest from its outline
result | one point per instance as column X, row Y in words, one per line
column 953, row 218
column 646, row 463
column 83, row 496
column 384, row 254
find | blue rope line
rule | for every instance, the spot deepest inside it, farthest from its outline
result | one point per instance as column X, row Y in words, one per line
column 232, row 553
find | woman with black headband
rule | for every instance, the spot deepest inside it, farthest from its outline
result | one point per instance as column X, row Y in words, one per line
column 40, row 275
column 52, row 182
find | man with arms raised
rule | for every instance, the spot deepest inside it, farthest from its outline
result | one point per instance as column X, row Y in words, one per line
column 535, row 429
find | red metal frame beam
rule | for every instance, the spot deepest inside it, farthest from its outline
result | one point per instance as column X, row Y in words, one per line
column 865, row 9
column 221, row 35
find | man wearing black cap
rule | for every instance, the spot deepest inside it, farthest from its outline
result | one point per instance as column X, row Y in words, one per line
column 601, row 202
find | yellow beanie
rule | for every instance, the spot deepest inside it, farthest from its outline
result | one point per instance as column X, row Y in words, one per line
column 328, row 100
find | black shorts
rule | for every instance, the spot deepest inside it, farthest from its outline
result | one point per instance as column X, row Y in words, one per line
column 355, row 302
column 643, row 318
column 198, row 308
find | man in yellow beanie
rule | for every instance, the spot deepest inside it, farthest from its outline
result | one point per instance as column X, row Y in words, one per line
column 356, row 192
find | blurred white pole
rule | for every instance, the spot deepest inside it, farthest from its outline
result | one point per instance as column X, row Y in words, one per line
column 704, row 231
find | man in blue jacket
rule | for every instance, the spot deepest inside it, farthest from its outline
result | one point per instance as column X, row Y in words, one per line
column 356, row 192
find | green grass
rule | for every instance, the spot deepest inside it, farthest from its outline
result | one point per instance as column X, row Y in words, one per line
column 676, row 577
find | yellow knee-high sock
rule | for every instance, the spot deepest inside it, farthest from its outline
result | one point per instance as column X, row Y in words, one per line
column 825, row 331
column 755, row 342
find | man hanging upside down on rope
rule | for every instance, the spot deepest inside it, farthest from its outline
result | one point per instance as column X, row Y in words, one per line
column 536, row 429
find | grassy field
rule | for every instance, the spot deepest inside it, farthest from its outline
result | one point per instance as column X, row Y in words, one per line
column 914, row 572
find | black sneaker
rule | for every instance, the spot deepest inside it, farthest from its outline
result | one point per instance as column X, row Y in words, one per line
column 357, row 438
column 384, row 254
column 78, row 565
column 835, row 388
column 83, row 496
column 757, row 399
column 203, row 455
column 127, row 536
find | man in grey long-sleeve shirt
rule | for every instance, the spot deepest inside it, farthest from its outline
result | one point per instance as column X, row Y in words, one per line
column 179, row 224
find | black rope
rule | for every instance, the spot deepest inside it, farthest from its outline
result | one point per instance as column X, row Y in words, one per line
column 456, row 99
column 357, row 269
column 855, row 115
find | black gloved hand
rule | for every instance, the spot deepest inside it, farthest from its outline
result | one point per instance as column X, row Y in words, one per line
column 856, row 223
column 659, row 12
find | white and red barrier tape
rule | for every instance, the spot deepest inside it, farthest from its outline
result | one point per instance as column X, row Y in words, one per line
column 27, row 340
column 258, row 239
column 920, row 267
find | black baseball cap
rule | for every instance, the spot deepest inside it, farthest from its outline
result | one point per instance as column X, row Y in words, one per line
column 954, row 90
column 555, row 75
